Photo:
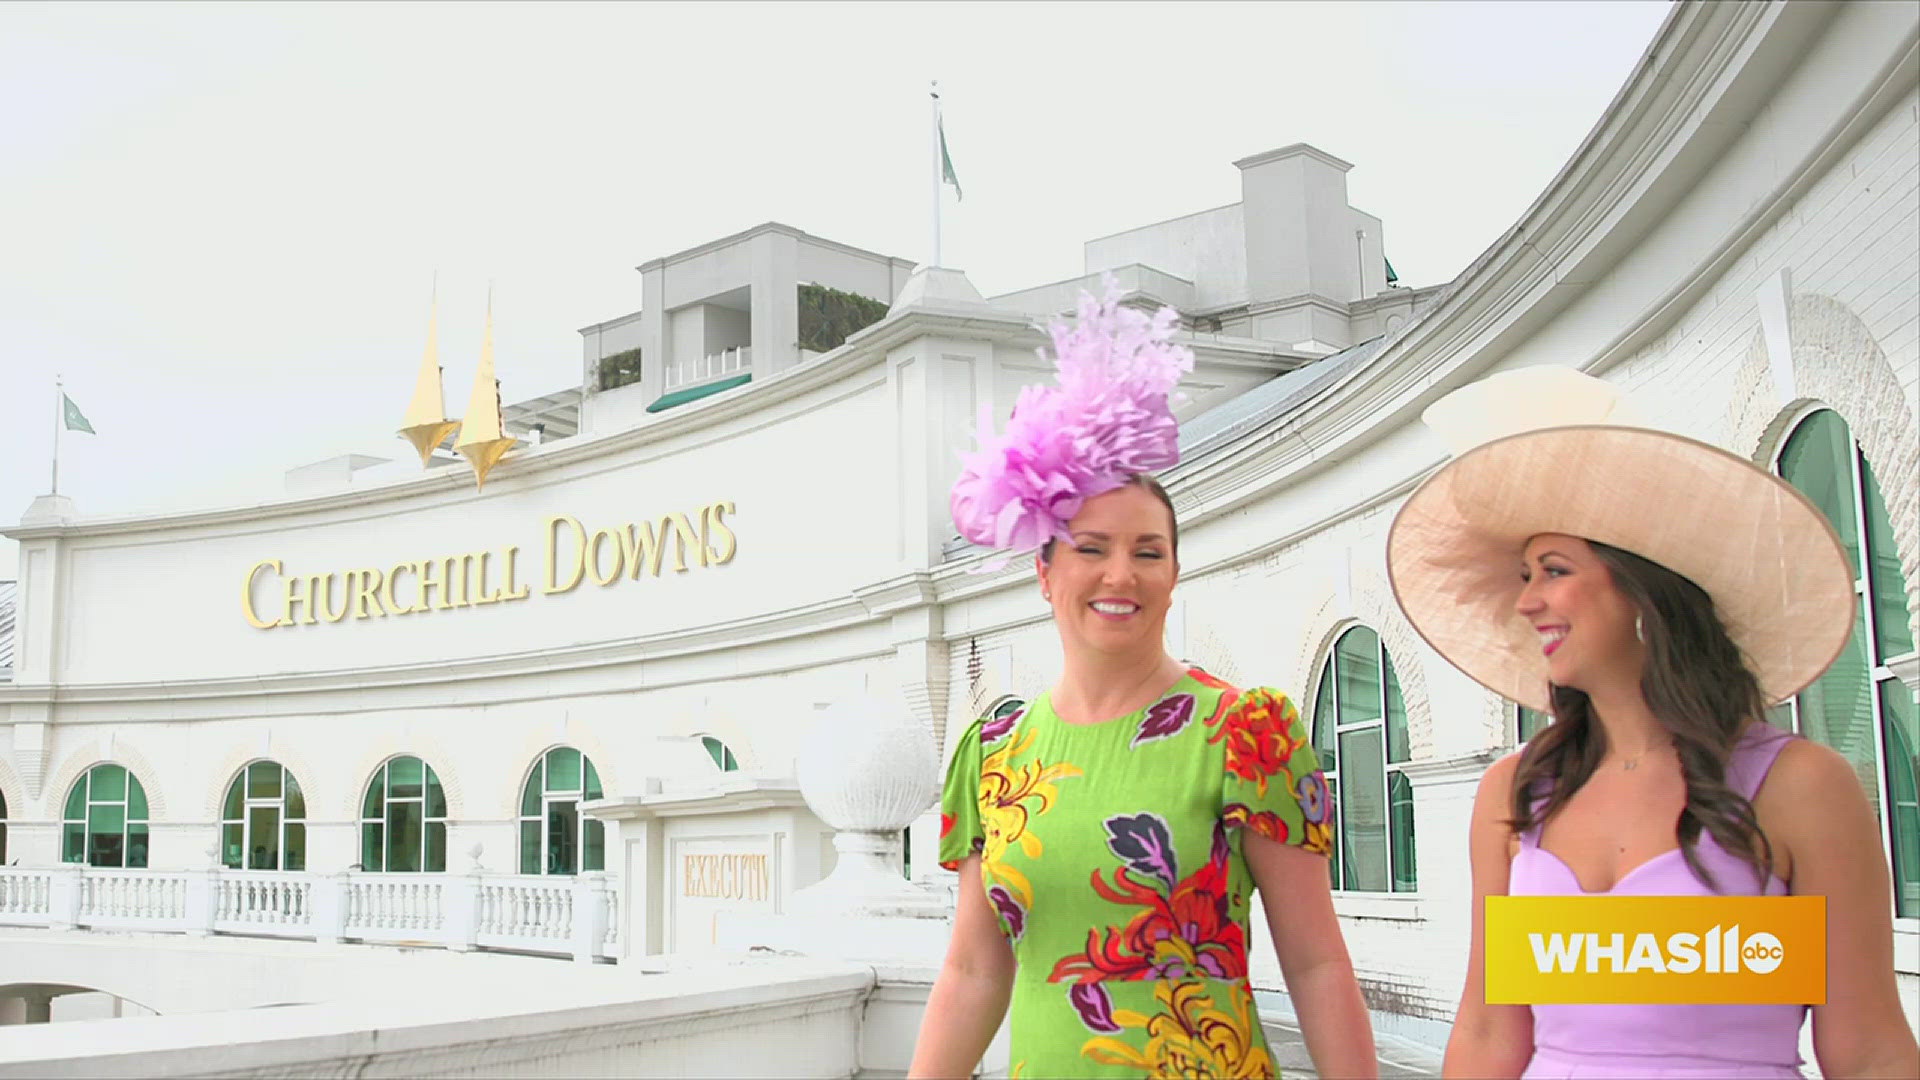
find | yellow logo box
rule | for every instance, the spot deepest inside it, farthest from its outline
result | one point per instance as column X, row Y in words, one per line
column 1656, row 950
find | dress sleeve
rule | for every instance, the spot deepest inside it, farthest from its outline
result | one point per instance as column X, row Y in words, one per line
column 1272, row 783
column 960, row 834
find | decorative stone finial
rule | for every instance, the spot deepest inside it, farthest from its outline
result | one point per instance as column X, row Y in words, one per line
column 869, row 771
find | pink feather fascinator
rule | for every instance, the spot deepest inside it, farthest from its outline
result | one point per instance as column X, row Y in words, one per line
column 1106, row 418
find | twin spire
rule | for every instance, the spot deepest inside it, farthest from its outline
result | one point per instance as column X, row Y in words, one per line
column 427, row 425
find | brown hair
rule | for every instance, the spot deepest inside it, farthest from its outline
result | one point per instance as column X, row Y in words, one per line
column 1152, row 487
column 1699, row 688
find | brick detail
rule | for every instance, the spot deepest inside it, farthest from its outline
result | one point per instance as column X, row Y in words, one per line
column 1838, row 363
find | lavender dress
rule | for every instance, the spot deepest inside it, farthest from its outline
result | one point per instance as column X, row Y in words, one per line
column 1665, row 1040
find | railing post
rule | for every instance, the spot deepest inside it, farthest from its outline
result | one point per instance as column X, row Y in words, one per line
column 330, row 907
column 202, row 901
column 462, row 900
column 64, row 890
column 589, row 915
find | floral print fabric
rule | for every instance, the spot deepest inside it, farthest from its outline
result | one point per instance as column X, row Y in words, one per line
column 1113, row 855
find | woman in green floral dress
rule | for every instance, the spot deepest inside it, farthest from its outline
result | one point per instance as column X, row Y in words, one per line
column 1109, row 839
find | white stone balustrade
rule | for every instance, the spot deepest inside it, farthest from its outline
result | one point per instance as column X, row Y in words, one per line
column 574, row 916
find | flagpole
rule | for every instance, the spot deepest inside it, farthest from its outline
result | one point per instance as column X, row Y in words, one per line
column 935, row 261
column 59, row 416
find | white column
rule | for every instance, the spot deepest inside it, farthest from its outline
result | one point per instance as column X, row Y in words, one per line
column 203, row 896
column 589, row 915
column 330, row 907
column 463, row 911
column 63, row 895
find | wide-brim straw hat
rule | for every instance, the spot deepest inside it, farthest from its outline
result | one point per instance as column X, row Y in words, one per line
column 1551, row 450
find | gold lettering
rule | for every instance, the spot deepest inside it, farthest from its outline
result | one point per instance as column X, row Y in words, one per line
column 298, row 590
column 433, row 580
column 642, row 548
column 684, row 537
column 386, row 592
column 725, row 877
column 553, row 550
column 710, row 523
column 619, row 556
column 479, row 595
column 507, row 591
column 366, row 599
column 323, row 598
column 246, row 595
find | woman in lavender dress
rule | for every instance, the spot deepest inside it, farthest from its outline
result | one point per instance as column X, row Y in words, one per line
column 1655, row 594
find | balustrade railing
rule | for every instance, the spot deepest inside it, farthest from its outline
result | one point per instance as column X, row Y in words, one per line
column 694, row 370
column 132, row 898
column 573, row 916
column 260, row 902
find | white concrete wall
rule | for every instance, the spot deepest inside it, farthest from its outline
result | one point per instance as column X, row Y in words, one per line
column 725, row 328
column 381, row 1013
column 1206, row 248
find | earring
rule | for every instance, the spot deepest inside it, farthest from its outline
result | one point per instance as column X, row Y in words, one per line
column 1639, row 630
column 1046, row 594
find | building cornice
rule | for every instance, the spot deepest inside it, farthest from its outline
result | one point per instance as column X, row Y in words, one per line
column 762, row 229
column 1393, row 298
column 729, row 796
column 618, row 320
column 1296, row 150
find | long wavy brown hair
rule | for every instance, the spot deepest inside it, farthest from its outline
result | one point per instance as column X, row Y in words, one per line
column 1700, row 689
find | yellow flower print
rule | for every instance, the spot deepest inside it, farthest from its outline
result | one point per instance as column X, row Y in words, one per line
column 1188, row 1038
column 1010, row 797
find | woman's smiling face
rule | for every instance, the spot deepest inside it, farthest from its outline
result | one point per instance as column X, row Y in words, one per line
column 1112, row 584
column 1585, row 623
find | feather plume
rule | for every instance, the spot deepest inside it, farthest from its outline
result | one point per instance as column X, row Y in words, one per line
column 1107, row 417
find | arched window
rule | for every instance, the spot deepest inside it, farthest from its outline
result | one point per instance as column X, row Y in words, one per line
column 1360, row 734
column 1860, row 707
column 554, row 837
column 722, row 757
column 1527, row 722
column 105, row 823
column 263, row 820
column 403, row 819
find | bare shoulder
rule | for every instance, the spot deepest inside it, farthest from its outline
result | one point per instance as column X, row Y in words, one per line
column 1808, row 773
column 1497, row 783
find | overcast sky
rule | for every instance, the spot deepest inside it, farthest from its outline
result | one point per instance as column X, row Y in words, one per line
column 220, row 223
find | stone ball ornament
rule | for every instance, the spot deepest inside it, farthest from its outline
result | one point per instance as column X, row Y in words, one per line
column 869, row 767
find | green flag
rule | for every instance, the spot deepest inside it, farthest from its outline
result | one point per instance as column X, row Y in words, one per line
column 946, row 163
column 75, row 419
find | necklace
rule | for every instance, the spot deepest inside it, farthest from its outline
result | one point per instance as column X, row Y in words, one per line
column 1629, row 764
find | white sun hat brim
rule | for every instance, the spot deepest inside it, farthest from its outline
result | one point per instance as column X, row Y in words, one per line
column 1779, row 579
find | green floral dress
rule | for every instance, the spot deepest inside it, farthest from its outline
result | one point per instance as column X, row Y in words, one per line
column 1112, row 854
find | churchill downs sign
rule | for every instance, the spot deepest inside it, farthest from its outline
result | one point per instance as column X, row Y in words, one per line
column 272, row 596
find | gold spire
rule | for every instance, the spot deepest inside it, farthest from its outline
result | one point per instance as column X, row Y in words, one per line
column 481, row 439
column 427, row 425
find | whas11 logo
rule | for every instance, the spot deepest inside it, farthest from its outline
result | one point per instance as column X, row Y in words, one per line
column 1716, row 952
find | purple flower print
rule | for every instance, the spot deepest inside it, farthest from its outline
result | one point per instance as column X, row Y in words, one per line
column 995, row 730
column 1094, row 1005
column 1012, row 915
column 1165, row 719
column 1146, row 843
column 1315, row 803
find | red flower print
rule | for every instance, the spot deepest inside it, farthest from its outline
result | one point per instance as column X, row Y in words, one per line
column 1185, row 928
column 1265, row 822
column 1261, row 736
